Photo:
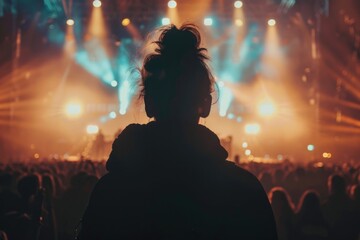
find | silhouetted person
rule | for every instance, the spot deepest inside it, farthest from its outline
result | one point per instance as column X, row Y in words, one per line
column 310, row 223
column 283, row 211
column 25, row 223
column 28, row 187
column 339, row 210
column 169, row 179
column 49, row 225
column 9, row 200
column 72, row 205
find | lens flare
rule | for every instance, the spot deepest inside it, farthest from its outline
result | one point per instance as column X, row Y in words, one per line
column 310, row 147
column 73, row 109
column 266, row 109
column 165, row 21
column 112, row 115
column 208, row 21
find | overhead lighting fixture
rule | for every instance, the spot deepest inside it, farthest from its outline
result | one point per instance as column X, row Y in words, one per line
column 172, row 4
column 70, row 22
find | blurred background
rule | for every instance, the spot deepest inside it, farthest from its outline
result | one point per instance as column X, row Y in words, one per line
column 287, row 74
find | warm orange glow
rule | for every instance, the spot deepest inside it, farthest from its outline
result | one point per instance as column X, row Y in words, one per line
column 125, row 22
column 173, row 16
column 266, row 109
column 97, row 26
column 239, row 22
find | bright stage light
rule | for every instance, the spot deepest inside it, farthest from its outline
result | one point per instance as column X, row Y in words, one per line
column 271, row 22
column 310, row 147
column 112, row 115
column 113, row 83
column 238, row 4
column 165, row 21
column 172, row 4
column 247, row 152
column 239, row 22
column 252, row 128
column 125, row 22
column 122, row 111
column 97, row 3
column 244, row 145
column 208, row 21
column 92, row 129
column 73, row 109
column 124, row 97
column 326, row 155
column 70, row 22
column 225, row 99
column 266, row 109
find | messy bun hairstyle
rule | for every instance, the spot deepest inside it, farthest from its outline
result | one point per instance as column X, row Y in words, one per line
column 175, row 78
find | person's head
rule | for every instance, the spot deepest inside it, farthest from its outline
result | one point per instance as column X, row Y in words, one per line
column 6, row 180
column 309, row 208
column 336, row 184
column 28, row 186
column 280, row 202
column 309, row 201
column 176, row 81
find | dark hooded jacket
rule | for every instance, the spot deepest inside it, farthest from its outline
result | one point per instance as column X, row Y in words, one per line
column 171, row 182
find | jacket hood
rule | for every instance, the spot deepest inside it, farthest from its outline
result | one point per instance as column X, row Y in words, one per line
column 138, row 144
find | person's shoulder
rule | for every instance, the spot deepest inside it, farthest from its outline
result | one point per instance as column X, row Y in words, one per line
column 132, row 128
column 238, row 171
column 239, row 175
column 130, row 136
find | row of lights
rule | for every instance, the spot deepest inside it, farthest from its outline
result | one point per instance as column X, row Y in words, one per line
column 173, row 4
column 125, row 22
column 166, row 21
column 208, row 21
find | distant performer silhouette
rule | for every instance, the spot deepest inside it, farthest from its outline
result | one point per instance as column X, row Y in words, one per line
column 169, row 179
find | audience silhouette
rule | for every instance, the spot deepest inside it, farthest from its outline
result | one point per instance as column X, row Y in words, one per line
column 169, row 179
column 284, row 212
column 310, row 223
column 339, row 211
